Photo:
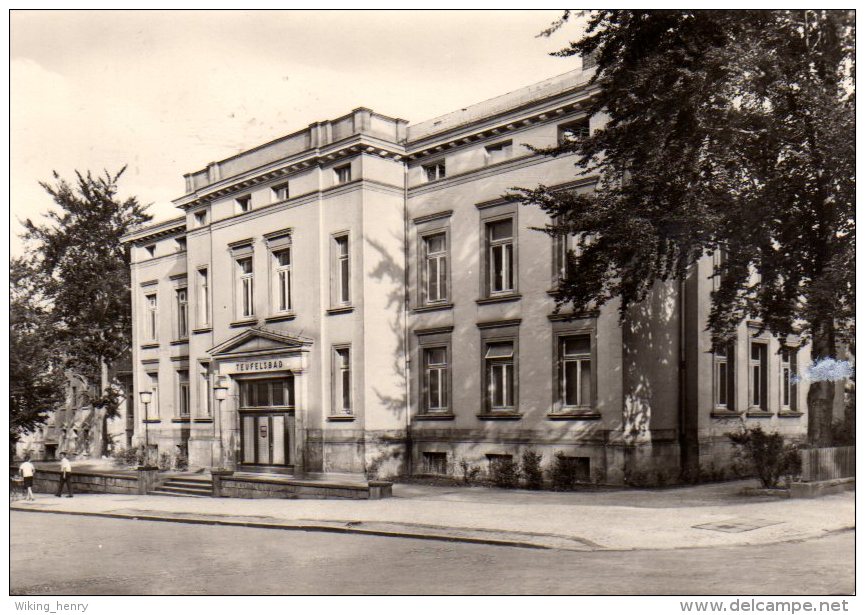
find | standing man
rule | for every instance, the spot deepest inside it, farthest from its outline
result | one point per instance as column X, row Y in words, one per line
column 65, row 475
column 27, row 470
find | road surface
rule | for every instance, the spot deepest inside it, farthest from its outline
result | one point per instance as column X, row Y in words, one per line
column 67, row 555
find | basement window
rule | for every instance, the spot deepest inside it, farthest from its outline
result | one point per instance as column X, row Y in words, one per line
column 435, row 463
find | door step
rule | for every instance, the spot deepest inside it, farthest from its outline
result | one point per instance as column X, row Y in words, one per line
column 185, row 487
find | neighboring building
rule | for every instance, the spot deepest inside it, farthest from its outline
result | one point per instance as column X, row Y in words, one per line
column 373, row 304
column 76, row 428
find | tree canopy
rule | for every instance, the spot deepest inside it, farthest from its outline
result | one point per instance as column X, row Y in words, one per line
column 81, row 270
column 36, row 378
column 729, row 131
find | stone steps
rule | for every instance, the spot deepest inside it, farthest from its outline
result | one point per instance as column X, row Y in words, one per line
column 185, row 487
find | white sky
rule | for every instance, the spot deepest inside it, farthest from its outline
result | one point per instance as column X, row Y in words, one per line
column 167, row 92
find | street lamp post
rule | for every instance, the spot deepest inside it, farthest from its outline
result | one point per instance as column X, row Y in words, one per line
column 146, row 397
column 220, row 392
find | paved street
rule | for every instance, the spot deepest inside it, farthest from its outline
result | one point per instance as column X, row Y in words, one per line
column 67, row 555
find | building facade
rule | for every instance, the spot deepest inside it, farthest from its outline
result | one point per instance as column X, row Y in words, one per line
column 76, row 427
column 369, row 303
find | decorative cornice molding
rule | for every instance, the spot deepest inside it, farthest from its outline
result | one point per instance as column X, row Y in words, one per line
column 496, row 125
column 355, row 145
column 435, row 216
column 434, row 330
column 496, row 324
column 175, row 226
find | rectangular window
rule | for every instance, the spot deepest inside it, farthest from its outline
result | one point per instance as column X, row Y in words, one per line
column 203, row 298
column 435, row 463
column 267, row 393
column 153, row 407
column 205, row 407
column 152, row 320
column 719, row 263
column 436, row 379
column 724, row 378
column 500, row 375
column 342, row 174
column 564, row 249
column 244, row 203
column 201, row 217
column 574, row 132
column 495, row 460
column 181, row 244
column 498, row 152
column 435, row 269
column 183, row 393
column 282, row 280
column 575, row 371
column 500, row 256
column 279, row 192
column 182, row 313
column 757, row 376
column 245, row 291
column 151, row 250
column 434, row 171
column 342, row 270
column 342, row 381
column 789, row 378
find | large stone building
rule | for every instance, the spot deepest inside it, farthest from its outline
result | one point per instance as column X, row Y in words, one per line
column 369, row 303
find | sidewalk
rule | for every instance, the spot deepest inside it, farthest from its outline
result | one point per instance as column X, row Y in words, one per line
column 599, row 520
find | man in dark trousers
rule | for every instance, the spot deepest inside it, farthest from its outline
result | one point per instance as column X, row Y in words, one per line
column 65, row 475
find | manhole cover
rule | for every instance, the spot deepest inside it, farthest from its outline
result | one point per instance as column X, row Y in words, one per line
column 734, row 526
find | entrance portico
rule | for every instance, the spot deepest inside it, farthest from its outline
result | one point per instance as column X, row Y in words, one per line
column 261, row 421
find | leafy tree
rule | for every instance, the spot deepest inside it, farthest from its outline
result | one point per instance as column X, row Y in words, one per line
column 36, row 379
column 83, row 274
column 727, row 131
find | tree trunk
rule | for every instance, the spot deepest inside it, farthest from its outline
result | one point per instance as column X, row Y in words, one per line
column 103, row 386
column 821, row 394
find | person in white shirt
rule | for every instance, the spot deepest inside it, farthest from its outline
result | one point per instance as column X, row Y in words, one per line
column 27, row 470
column 65, row 476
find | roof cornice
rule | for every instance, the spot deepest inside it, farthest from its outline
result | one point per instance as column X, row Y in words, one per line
column 175, row 226
column 360, row 144
column 499, row 125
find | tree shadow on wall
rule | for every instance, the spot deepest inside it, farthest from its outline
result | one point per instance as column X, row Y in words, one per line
column 650, row 338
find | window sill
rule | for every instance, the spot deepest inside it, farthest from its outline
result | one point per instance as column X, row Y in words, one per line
column 202, row 420
column 181, row 419
column 281, row 317
column 341, row 310
column 179, row 342
column 499, row 299
column 584, row 415
column 435, row 307
column 725, row 414
column 790, row 414
column 243, row 323
column 152, row 421
column 202, row 330
column 435, row 416
column 500, row 416
column 759, row 414
column 341, row 418
column 150, row 345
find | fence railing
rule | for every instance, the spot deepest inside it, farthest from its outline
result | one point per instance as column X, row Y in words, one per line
column 828, row 463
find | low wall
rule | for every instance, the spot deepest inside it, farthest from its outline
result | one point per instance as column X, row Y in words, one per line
column 47, row 481
column 230, row 486
column 819, row 464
